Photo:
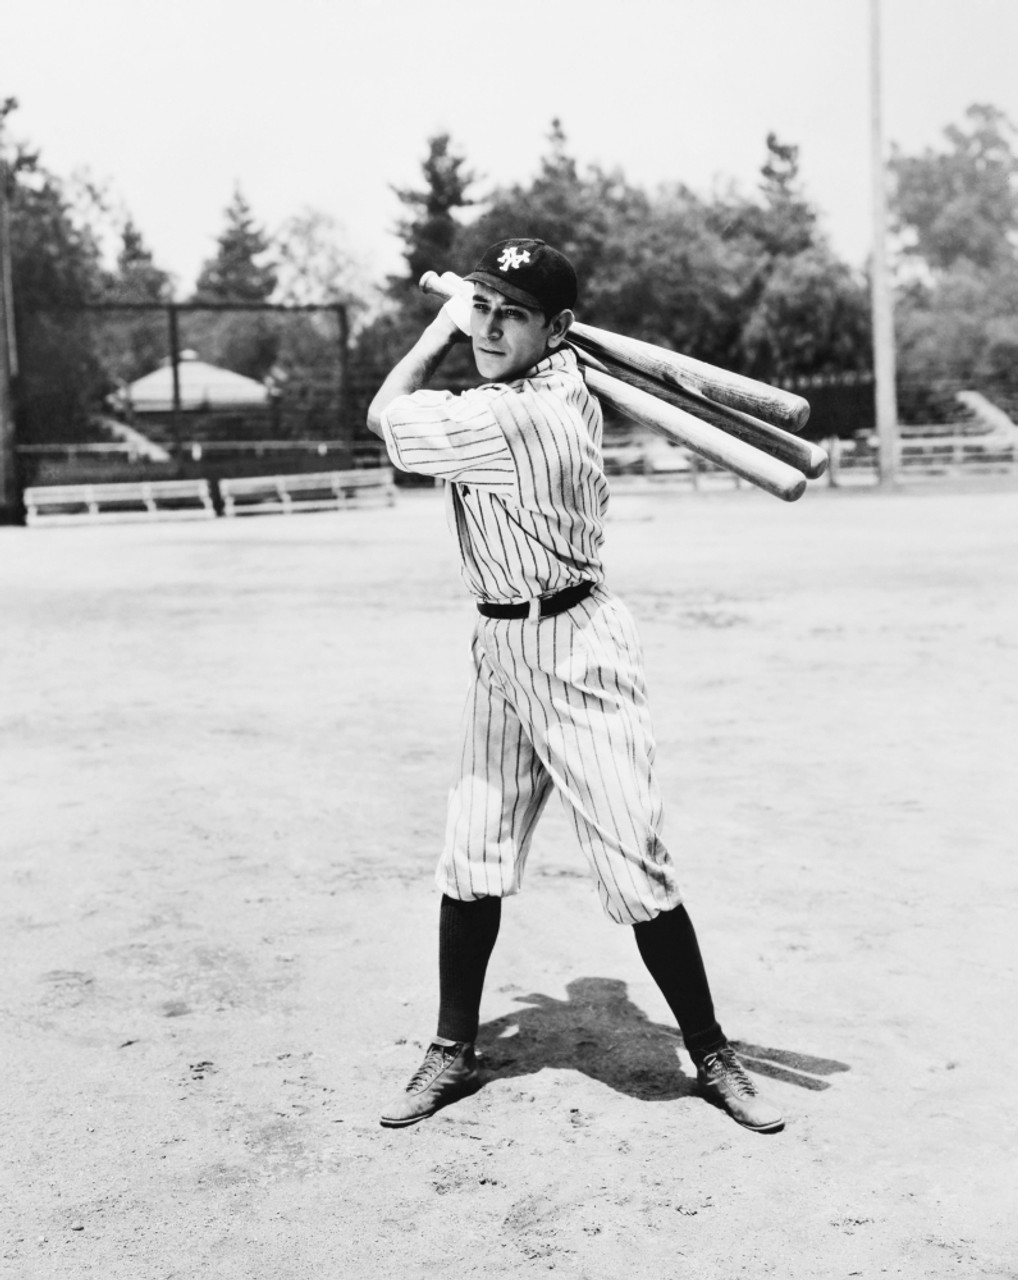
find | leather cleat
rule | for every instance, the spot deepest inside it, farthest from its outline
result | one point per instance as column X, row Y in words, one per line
column 448, row 1072
column 724, row 1082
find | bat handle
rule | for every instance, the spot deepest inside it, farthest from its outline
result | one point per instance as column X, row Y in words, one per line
column 444, row 286
column 431, row 282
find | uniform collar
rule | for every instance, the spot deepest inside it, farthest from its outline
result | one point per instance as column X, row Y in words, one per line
column 561, row 361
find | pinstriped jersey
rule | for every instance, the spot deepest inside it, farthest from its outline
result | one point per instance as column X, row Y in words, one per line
column 526, row 484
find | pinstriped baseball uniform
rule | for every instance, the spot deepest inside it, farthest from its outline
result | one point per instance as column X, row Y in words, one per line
column 555, row 701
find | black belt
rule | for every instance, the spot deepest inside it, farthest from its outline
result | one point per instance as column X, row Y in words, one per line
column 540, row 607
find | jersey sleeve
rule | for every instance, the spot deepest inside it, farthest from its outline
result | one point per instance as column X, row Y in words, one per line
column 450, row 437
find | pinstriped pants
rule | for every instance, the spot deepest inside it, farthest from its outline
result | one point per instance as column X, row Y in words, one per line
column 559, row 702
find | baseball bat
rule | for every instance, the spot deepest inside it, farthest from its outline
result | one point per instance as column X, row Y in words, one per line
column 679, row 426
column 805, row 456
column 685, row 375
column 682, row 374
column 674, row 423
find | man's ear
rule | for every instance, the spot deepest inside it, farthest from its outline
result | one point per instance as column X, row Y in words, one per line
column 559, row 327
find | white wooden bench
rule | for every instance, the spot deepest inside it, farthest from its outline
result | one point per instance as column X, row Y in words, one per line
column 316, row 491
column 134, row 500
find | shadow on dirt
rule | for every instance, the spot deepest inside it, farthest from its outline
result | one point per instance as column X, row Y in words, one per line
column 599, row 1031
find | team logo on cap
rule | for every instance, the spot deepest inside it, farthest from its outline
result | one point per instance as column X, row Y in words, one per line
column 513, row 257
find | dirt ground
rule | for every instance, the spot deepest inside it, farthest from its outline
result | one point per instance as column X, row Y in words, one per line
column 226, row 748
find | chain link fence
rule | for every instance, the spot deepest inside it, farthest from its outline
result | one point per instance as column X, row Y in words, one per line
column 128, row 391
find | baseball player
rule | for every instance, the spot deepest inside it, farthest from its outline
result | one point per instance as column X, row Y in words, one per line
column 558, row 697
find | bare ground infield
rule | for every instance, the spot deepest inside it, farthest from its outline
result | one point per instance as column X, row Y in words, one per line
column 225, row 754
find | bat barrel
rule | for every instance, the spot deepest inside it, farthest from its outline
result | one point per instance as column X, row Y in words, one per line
column 675, row 424
column 779, row 408
column 807, row 457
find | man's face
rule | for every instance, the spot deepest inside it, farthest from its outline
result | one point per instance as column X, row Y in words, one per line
column 508, row 338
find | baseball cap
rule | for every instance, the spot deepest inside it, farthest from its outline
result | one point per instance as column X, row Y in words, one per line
column 529, row 272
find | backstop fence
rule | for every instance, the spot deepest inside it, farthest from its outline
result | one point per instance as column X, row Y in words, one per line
column 115, row 391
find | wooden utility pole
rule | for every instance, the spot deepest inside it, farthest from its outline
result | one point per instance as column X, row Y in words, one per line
column 10, row 497
column 881, row 299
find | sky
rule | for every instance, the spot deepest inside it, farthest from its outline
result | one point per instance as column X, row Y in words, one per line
column 328, row 104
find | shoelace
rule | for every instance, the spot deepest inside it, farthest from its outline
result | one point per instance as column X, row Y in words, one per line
column 436, row 1060
column 728, row 1063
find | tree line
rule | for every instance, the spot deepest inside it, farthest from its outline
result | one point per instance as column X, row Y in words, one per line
column 748, row 281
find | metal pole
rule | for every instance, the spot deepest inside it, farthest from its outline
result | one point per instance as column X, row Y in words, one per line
column 10, row 497
column 175, row 366
column 881, row 299
column 347, row 429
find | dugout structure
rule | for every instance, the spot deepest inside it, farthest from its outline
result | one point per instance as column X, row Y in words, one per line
column 77, row 423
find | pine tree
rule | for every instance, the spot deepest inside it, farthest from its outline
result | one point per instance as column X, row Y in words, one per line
column 789, row 223
column 137, row 278
column 238, row 272
column 133, row 343
column 430, row 229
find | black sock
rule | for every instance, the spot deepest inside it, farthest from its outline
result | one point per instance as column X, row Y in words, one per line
column 671, row 953
column 466, row 938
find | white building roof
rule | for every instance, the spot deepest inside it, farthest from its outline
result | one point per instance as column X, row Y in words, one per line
column 202, row 386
